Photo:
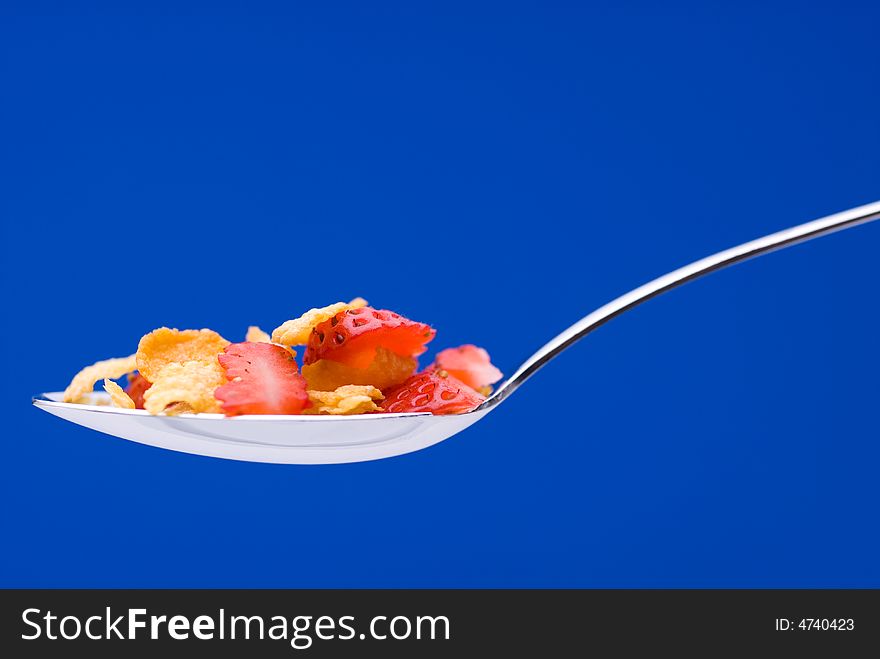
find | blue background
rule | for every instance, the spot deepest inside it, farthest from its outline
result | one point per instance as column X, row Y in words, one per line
column 497, row 171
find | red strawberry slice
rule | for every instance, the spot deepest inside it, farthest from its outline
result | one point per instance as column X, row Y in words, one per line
column 433, row 391
column 137, row 385
column 263, row 379
column 469, row 364
column 351, row 337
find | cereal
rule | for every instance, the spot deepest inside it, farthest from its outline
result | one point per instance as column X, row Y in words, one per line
column 166, row 346
column 84, row 381
column 118, row 395
column 191, row 383
column 353, row 354
column 296, row 332
column 256, row 335
column 350, row 399
column 386, row 370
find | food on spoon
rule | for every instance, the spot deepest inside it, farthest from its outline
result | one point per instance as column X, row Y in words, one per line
column 386, row 370
column 137, row 385
column 352, row 337
column 434, row 391
column 84, row 381
column 166, row 346
column 256, row 335
column 117, row 395
column 262, row 379
column 185, row 387
column 296, row 332
column 471, row 365
column 349, row 399
column 358, row 360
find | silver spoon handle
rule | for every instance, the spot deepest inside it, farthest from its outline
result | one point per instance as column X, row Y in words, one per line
column 765, row 245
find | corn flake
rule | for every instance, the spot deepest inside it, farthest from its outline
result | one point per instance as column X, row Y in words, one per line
column 84, row 381
column 118, row 395
column 386, row 370
column 165, row 346
column 185, row 387
column 256, row 335
column 296, row 332
column 350, row 399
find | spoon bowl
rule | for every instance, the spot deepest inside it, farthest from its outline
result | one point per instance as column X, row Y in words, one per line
column 283, row 439
column 291, row 439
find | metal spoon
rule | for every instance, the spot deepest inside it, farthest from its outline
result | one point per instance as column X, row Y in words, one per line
column 690, row 272
column 335, row 439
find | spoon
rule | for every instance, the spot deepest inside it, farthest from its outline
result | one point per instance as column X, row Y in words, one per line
column 337, row 439
column 775, row 241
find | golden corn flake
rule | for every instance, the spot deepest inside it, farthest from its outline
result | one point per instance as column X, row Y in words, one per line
column 166, row 346
column 118, row 395
column 185, row 387
column 296, row 332
column 84, row 381
column 350, row 399
column 256, row 335
column 178, row 408
column 386, row 370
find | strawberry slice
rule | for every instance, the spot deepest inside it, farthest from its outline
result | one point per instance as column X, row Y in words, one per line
column 137, row 385
column 263, row 379
column 433, row 391
column 469, row 364
column 352, row 336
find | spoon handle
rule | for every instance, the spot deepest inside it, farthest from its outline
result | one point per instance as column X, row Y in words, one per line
column 765, row 245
